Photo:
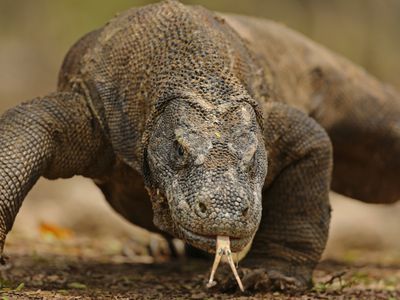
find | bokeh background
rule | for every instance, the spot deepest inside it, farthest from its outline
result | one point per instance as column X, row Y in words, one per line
column 35, row 35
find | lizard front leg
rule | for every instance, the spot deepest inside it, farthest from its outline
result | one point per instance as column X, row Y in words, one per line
column 54, row 136
column 296, row 210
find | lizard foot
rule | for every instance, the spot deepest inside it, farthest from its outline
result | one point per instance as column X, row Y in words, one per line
column 263, row 280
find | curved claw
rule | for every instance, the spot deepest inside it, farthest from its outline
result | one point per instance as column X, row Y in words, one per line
column 263, row 280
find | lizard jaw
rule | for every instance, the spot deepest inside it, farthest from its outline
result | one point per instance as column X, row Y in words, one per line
column 208, row 243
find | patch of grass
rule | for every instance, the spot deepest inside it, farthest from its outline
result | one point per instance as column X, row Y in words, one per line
column 77, row 285
column 320, row 287
column 335, row 283
column 19, row 287
column 5, row 284
column 8, row 286
column 362, row 277
column 392, row 281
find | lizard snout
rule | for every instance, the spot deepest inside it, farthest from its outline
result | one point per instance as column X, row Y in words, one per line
column 222, row 202
column 220, row 211
column 209, row 208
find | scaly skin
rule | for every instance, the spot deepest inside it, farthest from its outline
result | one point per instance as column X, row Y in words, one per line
column 56, row 137
column 229, row 123
column 360, row 114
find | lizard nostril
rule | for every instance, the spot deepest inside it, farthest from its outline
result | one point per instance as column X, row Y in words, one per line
column 202, row 207
column 245, row 211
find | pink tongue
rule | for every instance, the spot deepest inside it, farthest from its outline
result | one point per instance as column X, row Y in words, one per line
column 223, row 248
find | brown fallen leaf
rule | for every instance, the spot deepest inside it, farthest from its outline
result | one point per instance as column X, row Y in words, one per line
column 54, row 231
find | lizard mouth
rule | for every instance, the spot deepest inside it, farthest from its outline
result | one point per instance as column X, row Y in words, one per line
column 208, row 242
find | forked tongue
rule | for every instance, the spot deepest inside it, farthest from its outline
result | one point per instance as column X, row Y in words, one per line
column 223, row 248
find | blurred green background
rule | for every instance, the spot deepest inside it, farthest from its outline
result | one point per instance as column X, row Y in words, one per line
column 35, row 35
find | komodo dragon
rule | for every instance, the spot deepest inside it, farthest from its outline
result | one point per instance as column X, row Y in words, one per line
column 191, row 105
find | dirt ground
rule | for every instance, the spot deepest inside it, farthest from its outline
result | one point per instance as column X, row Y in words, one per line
column 83, row 268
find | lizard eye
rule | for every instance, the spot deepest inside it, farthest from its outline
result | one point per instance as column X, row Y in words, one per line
column 179, row 156
column 180, row 151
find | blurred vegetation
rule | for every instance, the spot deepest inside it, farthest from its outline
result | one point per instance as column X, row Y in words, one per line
column 35, row 35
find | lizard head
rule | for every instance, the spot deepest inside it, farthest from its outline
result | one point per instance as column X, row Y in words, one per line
column 206, row 166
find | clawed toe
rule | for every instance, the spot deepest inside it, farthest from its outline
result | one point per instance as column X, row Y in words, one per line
column 256, row 279
column 261, row 280
column 285, row 283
